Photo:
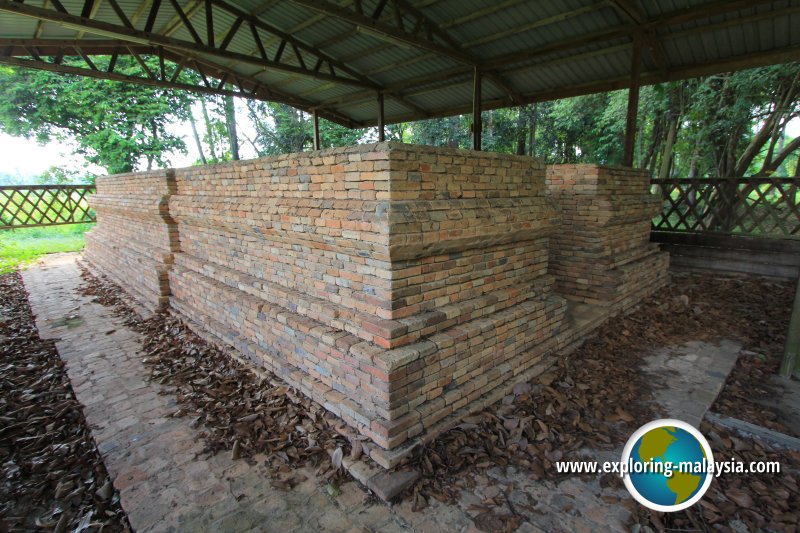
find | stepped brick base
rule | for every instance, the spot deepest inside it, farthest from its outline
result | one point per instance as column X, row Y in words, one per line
column 400, row 286
column 134, row 240
column 603, row 254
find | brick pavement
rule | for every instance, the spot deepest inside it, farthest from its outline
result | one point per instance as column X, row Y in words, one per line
column 166, row 486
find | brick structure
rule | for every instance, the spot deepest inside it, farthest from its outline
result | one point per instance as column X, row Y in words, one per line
column 603, row 254
column 134, row 240
column 400, row 286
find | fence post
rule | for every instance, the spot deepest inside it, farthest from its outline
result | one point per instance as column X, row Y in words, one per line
column 791, row 352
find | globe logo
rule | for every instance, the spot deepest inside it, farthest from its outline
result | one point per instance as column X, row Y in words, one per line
column 668, row 465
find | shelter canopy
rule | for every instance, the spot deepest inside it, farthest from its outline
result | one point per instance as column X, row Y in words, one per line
column 337, row 56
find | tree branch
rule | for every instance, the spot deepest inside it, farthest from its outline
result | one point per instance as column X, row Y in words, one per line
column 782, row 155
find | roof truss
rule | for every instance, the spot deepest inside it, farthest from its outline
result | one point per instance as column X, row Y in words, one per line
column 306, row 61
column 249, row 49
column 411, row 27
column 48, row 54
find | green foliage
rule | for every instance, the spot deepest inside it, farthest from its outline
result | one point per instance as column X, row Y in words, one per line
column 583, row 129
column 282, row 129
column 449, row 131
column 20, row 247
column 63, row 176
column 724, row 125
column 732, row 123
column 118, row 126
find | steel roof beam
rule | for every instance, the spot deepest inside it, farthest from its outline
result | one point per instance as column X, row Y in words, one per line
column 142, row 37
column 623, row 82
column 52, row 47
column 629, row 9
column 256, row 22
column 669, row 19
column 11, row 51
column 428, row 84
column 542, row 22
column 259, row 23
column 426, row 35
column 387, row 31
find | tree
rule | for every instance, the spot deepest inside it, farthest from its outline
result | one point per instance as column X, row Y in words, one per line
column 119, row 126
column 452, row 132
column 282, row 129
column 230, row 123
column 725, row 125
column 728, row 125
column 61, row 176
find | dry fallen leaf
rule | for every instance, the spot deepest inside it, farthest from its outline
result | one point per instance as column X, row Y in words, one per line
column 48, row 458
column 336, row 458
column 739, row 497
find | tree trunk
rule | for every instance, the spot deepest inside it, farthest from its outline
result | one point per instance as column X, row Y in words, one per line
column 209, row 130
column 520, row 131
column 300, row 137
column 452, row 137
column 150, row 158
column 532, row 131
column 781, row 144
column 792, row 192
column 640, row 146
column 197, row 138
column 654, row 140
column 779, row 159
column 230, row 121
column 669, row 146
column 692, row 193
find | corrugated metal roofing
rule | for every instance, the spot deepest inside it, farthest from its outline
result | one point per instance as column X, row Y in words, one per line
column 421, row 53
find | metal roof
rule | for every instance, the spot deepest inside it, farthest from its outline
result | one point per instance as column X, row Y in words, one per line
column 336, row 56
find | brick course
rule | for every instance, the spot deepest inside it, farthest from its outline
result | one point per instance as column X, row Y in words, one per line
column 400, row 286
column 603, row 254
column 135, row 239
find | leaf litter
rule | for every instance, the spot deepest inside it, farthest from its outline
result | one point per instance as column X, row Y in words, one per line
column 247, row 414
column 592, row 399
column 53, row 477
column 597, row 396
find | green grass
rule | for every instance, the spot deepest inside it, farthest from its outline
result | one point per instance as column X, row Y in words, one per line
column 19, row 247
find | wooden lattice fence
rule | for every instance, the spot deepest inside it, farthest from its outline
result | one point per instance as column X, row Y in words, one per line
column 44, row 205
column 762, row 206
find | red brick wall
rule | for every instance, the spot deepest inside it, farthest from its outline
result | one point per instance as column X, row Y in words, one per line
column 134, row 239
column 392, row 283
column 602, row 254
column 397, row 285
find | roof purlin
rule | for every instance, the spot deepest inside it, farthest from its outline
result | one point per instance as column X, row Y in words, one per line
column 137, row 36
column 249, row 87
column 344, row 79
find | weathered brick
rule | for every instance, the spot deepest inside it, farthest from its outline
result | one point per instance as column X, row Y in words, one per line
column 394, row 284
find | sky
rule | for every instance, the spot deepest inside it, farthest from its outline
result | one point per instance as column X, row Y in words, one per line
column 27, row 158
